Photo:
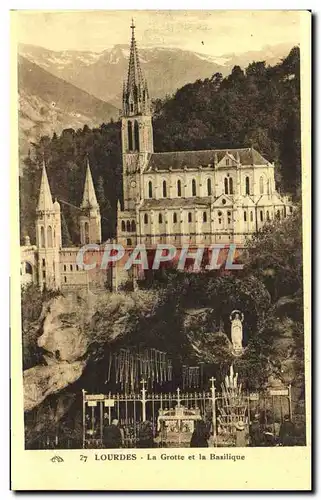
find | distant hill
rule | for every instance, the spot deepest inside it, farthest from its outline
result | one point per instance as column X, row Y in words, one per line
column 166, row 69
column 49, row 104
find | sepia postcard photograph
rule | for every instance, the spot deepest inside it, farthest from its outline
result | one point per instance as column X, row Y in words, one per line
column 160, row 270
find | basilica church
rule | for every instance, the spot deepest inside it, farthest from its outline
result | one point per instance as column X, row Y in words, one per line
column 180, row 198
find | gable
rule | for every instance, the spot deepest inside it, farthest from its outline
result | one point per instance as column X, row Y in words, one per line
column 222, row 201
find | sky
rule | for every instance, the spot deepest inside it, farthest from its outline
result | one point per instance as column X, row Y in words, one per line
column 208, row 32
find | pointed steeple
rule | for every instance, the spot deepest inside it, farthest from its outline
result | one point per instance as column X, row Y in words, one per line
column 45, row 198
column 135, row 92
column 89, row 199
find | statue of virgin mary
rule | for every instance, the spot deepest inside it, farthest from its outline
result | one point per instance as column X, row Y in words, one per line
column 237, row 318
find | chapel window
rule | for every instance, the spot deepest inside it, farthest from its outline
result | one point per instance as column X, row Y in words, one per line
column 160, row 218
column 145, row 219
column 245, row 216
column 164, row 189
column 42, row 237
column 261, row 215
column 226, row 185
column 231, row 185
column 189, row 216
column 123, row 225
column 150, row 189
column 136, row 135
column 179, row 188
column 209, row 187
column 174, row 217
column 247, row 185
column 128, row 226
column 133, row 226
column 204, row 217
column 193, row 187
column 130, row 136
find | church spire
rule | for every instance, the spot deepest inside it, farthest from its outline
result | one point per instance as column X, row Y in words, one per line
column 45, row 198
column 89, row 199
column 135, row 92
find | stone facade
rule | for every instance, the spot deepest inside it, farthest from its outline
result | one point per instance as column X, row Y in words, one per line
column 188, row 197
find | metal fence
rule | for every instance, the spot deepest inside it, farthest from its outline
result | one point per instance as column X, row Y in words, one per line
column 180, row 410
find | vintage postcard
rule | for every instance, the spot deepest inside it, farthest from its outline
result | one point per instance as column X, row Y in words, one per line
column 160, row 250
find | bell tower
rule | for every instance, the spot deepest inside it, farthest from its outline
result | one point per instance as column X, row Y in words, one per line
column 137, row 129
column 48, row 236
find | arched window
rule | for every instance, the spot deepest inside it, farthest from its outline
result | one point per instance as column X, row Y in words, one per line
column 247, row 185
column 219, row 217
column 133, row 227
column 245, row 216
column 189, row 216
column 225, row 185
column 123, row 225
column 278, row 214
column 284, row 211
column 86, row 232
column 130, row 136
column 204, row 217
column 251, row 216
column 174, row 217
column 261, row 185
column 209, row 187
column 267, row 215
column 193, row 187
column 70, row 267
column 65, row 267
column 160, row 218
column 150, row 189
column 28, row 268
column 179, row 188
column 229, row 217
column 231, row 185
column 136, row 135
column 42, row 237
column 164, row 189
column 65, row 279
column 128, row 226
column 261, row 215
column 145, row 219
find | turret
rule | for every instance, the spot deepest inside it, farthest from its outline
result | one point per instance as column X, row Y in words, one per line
column 90, row 220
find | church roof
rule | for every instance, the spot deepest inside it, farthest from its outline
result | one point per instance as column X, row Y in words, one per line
column 45, row 198
column 177, row 160
column 89, row 199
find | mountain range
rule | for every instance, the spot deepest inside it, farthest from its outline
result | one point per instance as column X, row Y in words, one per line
column 70, row 88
